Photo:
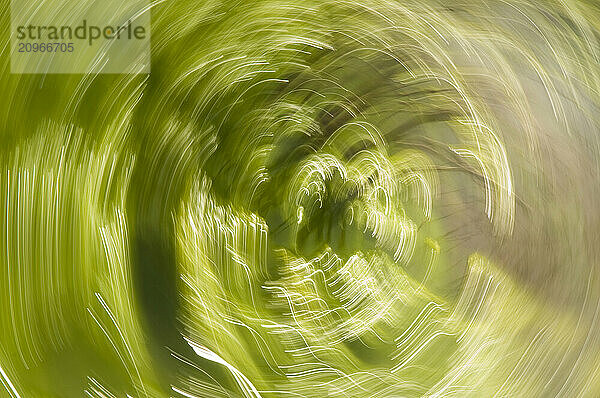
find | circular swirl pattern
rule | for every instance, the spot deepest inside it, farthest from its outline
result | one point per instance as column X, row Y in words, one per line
column 365, row 198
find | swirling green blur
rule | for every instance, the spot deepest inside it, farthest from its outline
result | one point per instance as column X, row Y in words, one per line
column 372, row 198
